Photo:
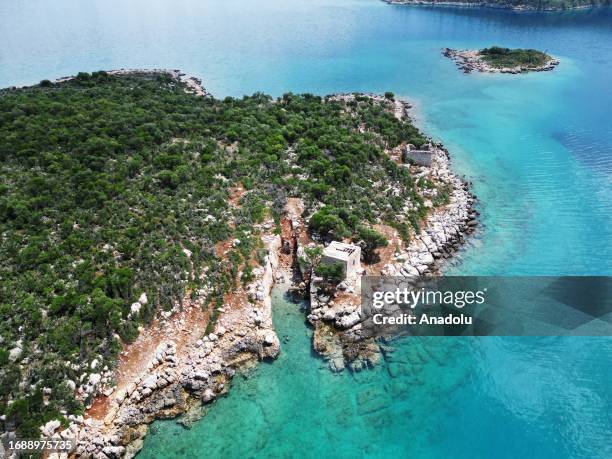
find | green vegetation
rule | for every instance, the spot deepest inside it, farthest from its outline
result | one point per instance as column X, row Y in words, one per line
column 370, row 240
column 115, row 186
column 505, row 57
column 442, row 197
column 332, row 273
column 310, row 258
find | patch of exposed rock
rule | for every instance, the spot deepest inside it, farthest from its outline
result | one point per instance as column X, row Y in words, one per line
column 336, row 314
column 175, row 383
column 444, row 230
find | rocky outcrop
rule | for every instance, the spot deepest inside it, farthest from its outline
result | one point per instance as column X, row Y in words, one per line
column 181, row 376
column 178, row 382
column 444, row 230
column 471, row 60
column 192, row 83
column 336, row 313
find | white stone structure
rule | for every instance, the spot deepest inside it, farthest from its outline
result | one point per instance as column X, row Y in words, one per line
column 348, row 255
column 422, row 157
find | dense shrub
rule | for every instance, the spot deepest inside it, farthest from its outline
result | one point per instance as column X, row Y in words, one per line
column 506, row 57
column 370, row 240
column 331, row 273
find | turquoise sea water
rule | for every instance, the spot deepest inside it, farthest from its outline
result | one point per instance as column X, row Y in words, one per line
column 433, row 398
column 538, row 148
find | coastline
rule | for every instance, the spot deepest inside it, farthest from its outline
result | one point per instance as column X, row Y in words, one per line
column 181, row 375
column 338, row 336
column 536, row 148
column 517, row 9
column 185, row 371
column 193, row 83
column 177, row 363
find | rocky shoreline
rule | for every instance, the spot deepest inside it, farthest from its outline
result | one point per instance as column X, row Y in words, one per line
column 179, row 376
column 337, row 317
column 471, row 60
column 178, row 382
column 193, row 84
column 484, row 4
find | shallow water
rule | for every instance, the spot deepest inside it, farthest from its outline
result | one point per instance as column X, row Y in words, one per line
column 538, row 148
column 431, row 398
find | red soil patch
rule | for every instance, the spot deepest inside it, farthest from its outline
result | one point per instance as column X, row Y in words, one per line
column 293, row 212
column 385, row 253
column 183, row 328
column 236, row 193
column 396, row 154
column 222, row 247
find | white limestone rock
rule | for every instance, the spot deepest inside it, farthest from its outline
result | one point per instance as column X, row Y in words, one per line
column 15, row 353
column 135, row 308
column 50, row 427
column 94, row 379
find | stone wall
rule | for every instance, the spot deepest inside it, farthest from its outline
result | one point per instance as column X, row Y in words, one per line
column 418, row 157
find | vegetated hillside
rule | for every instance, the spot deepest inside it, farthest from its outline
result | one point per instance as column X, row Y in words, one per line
column 111, row 186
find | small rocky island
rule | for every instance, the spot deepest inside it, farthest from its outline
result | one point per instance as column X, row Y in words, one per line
column 501, row 60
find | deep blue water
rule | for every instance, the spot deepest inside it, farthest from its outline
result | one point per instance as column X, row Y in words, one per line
column 538, row 148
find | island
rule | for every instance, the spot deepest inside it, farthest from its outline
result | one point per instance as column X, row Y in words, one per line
column 514, row 5
column 497, row 59
column 144, row 223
